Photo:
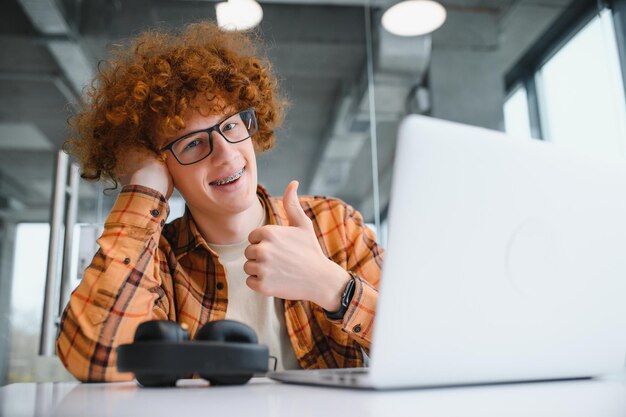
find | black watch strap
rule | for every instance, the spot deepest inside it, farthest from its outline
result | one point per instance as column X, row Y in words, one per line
column 346, row 297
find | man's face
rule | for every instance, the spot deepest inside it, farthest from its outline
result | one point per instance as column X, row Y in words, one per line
column 198, row 182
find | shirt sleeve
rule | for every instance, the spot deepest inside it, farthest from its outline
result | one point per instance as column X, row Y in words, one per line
column 120, row 289
column 364, row 263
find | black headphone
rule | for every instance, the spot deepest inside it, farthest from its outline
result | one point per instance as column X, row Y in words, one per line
column 225, row 352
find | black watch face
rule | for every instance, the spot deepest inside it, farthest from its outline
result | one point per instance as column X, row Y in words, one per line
column 348, row 293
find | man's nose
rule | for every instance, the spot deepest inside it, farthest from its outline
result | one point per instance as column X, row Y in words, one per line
column 222, row 149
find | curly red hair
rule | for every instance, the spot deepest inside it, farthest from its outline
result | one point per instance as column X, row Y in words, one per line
column 147, row 85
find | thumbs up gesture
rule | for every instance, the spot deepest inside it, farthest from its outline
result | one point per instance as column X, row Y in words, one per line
column 287, row 261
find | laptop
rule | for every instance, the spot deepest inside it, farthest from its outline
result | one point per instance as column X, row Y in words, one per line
column 506, row 261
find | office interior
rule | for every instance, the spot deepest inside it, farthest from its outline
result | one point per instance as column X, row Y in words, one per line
column 548, row 70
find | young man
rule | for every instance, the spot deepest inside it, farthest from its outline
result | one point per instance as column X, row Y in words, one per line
column 190, row 111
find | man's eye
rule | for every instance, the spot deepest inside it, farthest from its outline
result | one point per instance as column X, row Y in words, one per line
column 192, row 144
column 229, row 126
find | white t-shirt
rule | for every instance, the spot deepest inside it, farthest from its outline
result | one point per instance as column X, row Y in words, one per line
column 264, row 314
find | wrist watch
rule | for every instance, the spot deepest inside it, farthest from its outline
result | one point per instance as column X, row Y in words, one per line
column 346, row 297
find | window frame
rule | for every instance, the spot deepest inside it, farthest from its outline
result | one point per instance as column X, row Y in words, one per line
column 524, row 71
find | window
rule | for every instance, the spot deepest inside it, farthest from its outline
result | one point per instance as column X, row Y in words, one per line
column 516, row 118
column 581, row 92
column 27, row 295
column 568, row 88
column 29, row 279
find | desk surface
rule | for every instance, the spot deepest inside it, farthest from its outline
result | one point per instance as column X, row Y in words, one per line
column 264, row 398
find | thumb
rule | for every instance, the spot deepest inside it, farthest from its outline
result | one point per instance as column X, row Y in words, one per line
column 295, row 212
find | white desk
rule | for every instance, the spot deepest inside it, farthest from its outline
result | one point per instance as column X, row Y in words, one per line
column 264, row 398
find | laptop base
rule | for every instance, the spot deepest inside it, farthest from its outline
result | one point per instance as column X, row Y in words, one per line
column 341, row 377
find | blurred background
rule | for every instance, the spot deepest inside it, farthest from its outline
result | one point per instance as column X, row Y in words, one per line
column 543, row 69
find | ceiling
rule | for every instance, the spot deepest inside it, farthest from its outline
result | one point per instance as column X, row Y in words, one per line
column 49, row 49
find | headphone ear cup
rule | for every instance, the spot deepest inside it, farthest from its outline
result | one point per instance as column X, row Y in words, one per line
column 159, row 330
column 165, row 330
column 227, row 331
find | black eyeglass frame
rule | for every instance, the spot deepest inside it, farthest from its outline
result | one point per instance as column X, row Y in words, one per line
column 209, row 131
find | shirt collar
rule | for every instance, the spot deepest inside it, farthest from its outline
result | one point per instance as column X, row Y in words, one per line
column 189, row 237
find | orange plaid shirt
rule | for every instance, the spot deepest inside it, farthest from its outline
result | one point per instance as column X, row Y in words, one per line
column 147, row 270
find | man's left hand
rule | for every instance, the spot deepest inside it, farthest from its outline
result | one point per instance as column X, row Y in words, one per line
column 287, row 261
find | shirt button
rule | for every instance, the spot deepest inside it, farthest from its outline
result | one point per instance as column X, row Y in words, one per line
column 155, row 212
column 220, row 285
column 126, row 261
column 357, row 328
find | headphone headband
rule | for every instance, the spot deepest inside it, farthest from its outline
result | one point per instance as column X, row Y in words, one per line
column 219, row 358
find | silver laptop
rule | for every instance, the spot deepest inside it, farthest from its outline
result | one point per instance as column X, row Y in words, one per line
column 506, row 262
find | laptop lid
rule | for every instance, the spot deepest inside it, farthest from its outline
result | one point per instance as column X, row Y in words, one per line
column 506, row 261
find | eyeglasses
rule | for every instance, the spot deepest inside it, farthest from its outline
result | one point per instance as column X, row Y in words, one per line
column 195, row 146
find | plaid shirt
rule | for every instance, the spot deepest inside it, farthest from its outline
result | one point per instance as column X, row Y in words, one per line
column 147, row 270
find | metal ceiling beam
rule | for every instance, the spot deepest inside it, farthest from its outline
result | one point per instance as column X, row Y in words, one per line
column 76, row 66
column 59, row 81
column 45, row 16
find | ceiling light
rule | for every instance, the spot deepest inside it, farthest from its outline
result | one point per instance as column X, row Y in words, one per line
column 238, row 14
column 414, row 17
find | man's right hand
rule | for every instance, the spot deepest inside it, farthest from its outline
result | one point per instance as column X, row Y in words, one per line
column 141, row 167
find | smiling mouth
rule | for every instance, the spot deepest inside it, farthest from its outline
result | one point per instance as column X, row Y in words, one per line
column 230, row 179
